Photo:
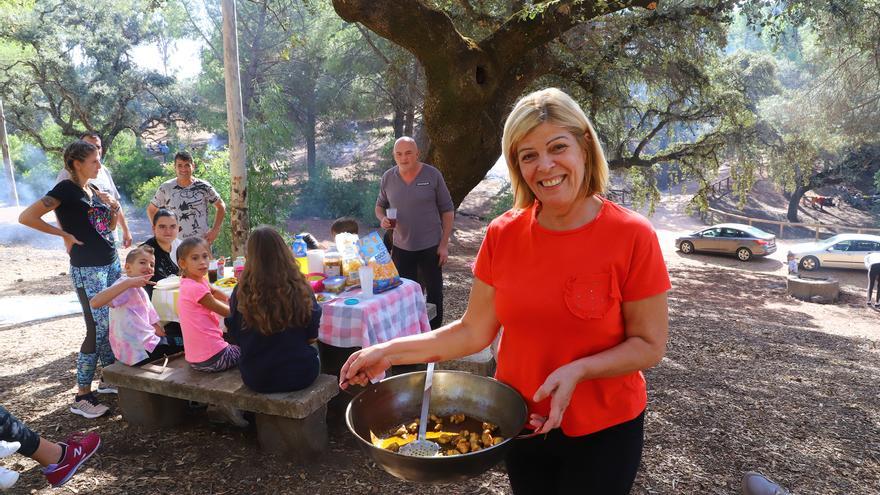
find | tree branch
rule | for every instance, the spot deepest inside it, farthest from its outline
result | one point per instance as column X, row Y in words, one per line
column 519, row 35
column 428, row 33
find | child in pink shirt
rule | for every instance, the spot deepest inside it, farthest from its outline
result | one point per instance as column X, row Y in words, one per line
column 199, row 306
column 135, row 333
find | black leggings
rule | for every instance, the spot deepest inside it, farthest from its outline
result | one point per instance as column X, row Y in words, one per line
column 602, row 463
column 874, row 280
column 13, row 430
column 423, row 267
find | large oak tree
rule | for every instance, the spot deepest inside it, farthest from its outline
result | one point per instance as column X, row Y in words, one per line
column 471, row 84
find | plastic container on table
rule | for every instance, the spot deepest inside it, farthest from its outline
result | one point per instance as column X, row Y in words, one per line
column 332, row 264
column 334, row 284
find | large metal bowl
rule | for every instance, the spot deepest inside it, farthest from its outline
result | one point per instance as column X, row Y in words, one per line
column 385, row 405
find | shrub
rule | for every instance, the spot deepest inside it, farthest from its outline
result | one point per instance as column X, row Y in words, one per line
column 268, row 199
column 130, row 165
column 502, row 201
column 326, row 197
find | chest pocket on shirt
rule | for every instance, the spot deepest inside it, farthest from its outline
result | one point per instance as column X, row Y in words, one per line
column 590, row 296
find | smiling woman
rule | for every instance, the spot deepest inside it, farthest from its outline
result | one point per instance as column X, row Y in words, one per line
column 87, row 218
column 579, row 284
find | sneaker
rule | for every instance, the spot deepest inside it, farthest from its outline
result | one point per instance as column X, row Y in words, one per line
column 8, row 448
column 7, row 478
column 757, row 484
column 106, row 388
column 79, row 447
column 88, row 406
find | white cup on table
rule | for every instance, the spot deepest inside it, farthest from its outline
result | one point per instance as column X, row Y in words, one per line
column 365, row 273
column 315, row 258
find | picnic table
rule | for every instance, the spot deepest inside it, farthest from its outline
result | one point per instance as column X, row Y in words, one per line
column 372, row 320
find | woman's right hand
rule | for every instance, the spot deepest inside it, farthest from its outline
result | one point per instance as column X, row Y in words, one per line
column 364, row 365
column 69, row 241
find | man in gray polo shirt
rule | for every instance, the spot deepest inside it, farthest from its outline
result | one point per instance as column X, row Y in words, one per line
column 424, row 220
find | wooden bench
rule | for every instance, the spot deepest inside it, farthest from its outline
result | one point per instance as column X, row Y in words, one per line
column 292, row 424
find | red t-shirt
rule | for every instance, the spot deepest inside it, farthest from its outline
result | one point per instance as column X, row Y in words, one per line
column 558, row 295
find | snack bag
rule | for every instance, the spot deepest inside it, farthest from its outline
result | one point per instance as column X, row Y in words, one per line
column 385, row 274
column 347, row 245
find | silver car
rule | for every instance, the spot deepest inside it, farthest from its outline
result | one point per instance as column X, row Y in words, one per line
column 742, row 240
column 840, row 251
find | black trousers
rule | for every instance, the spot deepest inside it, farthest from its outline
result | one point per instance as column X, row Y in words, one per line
column 601, row 463
column 423, row 266
column 13, row 430
column 874, row 280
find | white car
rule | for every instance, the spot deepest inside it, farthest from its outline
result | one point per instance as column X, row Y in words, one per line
column 840, row 251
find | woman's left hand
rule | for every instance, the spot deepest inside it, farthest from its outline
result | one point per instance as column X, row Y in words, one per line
column 559, row 386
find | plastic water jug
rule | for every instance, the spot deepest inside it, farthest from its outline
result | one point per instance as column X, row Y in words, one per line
column 300, row 252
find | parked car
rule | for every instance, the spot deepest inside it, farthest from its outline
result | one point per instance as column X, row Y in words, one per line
column 840, row 251
column 742, row 240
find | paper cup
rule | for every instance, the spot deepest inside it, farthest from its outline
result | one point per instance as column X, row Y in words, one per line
column 366, row 275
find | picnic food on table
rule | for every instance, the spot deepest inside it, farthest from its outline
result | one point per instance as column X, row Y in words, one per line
column 334, row 284
column 226, row 283
column 457, row 434
column 385, row 275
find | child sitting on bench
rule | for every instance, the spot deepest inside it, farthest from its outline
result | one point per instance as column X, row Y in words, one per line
column 199, row 306
column 274, row 318
column 135, row 334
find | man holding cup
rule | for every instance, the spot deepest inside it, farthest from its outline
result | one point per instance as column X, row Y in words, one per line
column 417, row 193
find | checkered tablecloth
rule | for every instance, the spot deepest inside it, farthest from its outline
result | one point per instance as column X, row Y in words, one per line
column 395, row 313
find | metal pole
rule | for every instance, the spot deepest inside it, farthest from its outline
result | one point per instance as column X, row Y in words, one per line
column 7, row 162
column 235, row 121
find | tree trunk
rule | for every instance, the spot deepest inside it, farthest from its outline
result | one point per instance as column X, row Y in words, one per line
column 7, row 161
column 409, row 120
column 310, row 134
column 397, row 123
column 235, row 120
column 794, row 201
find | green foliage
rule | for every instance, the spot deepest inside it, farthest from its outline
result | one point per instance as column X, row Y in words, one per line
column 130, row 165
column 72, row 63
column 268, row 198
column 326, row 197
column 502, row 201
column 303, row 68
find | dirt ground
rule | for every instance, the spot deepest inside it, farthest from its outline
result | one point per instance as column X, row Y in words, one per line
column 753, row 380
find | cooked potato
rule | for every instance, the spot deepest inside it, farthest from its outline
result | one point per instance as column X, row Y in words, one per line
column 452, row 443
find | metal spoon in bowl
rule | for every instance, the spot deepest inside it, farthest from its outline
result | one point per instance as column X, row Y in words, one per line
column 420, row 447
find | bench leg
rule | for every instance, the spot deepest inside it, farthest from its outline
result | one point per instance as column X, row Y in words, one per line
column 146, row 409
column 299, row 439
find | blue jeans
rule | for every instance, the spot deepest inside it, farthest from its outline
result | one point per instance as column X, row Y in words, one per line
column 88, row 281
column 13, row 430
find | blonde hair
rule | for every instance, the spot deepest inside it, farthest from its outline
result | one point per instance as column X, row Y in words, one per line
column 553, row 107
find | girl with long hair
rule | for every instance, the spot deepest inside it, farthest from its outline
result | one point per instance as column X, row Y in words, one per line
column 274, row 317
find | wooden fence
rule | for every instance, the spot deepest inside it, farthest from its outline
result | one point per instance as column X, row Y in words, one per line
column 720, row 188
column 712, row 215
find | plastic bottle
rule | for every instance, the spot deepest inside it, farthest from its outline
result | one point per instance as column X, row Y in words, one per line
column 238, row 266
column 300, row 250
